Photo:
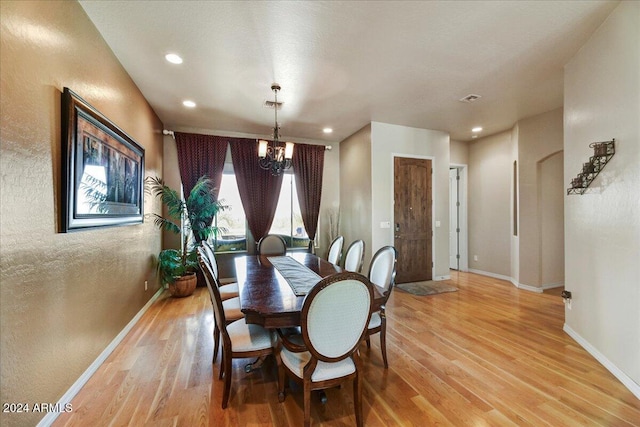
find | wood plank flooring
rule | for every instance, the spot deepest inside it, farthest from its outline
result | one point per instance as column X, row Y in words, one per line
column 487, row 355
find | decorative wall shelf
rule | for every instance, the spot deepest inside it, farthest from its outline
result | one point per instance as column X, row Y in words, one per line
column 602, row 153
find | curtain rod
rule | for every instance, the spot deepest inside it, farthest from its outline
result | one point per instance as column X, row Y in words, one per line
column 170, row 132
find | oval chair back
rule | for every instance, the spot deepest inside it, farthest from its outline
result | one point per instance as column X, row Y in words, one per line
column 354, row 257
column 335, row 315
column 272, row 244
column 212, row 285
column 209, row 256
column 382, row 270
column 335, row 250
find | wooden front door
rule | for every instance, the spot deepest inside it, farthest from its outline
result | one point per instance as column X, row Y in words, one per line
column 412, row 219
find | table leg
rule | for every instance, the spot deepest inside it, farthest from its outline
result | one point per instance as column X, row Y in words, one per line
column 256, row 364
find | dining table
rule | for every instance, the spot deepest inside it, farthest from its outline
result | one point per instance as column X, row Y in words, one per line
column 272, row 288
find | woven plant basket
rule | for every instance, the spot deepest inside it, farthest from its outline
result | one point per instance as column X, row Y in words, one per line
column 183, row 286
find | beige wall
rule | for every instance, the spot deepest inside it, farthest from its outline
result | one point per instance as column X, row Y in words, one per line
column 602, row 227
column 355, row 195
column 551, row 218
column 539, row 137
column 514, row 223
column 490, row 176
column 64, row 297
column 388, row 141
column 458, row 152
column 330, row 201
column 532, row 144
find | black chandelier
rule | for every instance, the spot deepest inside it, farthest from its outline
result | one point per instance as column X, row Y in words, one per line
column 275, row 157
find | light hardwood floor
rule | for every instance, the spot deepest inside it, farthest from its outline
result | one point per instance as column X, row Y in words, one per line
column 487, row 355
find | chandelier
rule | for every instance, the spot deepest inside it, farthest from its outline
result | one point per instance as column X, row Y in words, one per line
column 275, row 157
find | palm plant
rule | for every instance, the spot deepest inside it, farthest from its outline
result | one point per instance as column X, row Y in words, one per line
column 196, row 213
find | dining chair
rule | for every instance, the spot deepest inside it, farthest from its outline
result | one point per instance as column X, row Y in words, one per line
column 335, row 250
column 382, row 273
column 334, row 319
column 227, row 291
column 239, row 339
column 354, row 257
column 272, row 244
column 228, row 296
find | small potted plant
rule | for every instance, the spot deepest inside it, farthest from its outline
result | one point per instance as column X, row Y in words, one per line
column 177, row 267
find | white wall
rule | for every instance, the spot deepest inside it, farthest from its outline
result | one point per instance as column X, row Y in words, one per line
column 602, row 227
column 388, row 141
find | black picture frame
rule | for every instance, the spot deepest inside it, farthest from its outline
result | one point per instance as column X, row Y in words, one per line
column 102, row 170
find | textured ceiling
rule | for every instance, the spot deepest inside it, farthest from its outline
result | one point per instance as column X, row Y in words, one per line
column 345, row 64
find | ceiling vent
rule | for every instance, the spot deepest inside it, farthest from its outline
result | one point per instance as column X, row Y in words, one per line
column 470, row 98
column 273, row 104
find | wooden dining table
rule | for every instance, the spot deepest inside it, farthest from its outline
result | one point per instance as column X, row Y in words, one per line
column 267, row 299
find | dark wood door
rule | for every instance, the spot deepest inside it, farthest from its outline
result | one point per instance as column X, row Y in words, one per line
column 412, row 219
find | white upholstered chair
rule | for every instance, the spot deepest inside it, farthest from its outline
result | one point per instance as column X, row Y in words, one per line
column 228, row 296
column 354, row 257
column 382, row 273
column 335, row 250
column 272, row 244
column 227, row 291
column 239, row 339
column 334, row 320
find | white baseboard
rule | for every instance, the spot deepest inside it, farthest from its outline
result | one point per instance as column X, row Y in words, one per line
column 80, row 382
column 621, row 376
column 494, row 275
column 515, row 283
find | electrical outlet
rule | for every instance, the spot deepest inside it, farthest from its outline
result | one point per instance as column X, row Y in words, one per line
column 146, row 285
column 475, row 257
column 566, row 298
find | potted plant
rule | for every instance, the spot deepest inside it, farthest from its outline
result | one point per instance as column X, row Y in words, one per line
column 177, row 267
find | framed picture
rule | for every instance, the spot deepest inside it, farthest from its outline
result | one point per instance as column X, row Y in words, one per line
column 102, row 167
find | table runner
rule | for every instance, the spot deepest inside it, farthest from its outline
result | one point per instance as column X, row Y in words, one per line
column 298, row 276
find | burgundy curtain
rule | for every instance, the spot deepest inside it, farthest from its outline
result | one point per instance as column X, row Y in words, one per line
column 308, row 165
column 259, row 190
column 200, row 155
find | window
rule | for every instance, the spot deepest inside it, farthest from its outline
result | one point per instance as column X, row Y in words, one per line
column 288, row 219
column 232, row 220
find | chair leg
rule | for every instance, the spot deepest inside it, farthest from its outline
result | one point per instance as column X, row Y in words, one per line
column 368, row 340
column 216, row 342
column 307, row 403
column 222, row 365
column 357, row 399
column 281, row 378
column 383, row 341
column 227, row 377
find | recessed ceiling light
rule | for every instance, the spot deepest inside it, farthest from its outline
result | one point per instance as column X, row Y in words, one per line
column 189, row 104
column 476, row 129
column 173, row 58
column 474, row 136
column 327, row 130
